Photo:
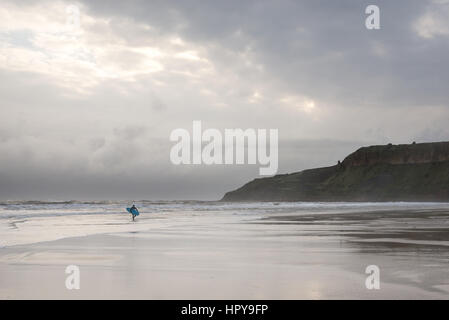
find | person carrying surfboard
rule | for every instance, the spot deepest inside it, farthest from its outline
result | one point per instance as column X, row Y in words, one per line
column 134, row 211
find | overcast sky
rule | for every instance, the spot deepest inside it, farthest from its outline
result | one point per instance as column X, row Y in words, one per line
column 86, row 109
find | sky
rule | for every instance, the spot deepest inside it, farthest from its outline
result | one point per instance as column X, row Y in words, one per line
column 91, row 90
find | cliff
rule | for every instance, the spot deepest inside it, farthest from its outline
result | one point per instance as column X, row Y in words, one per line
column 399, row 154
column 413, row 172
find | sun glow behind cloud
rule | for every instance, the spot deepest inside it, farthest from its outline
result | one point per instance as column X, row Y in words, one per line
column 82, row 52
column 43, row 40
column 299, row 103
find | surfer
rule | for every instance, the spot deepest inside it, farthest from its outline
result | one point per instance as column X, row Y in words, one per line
column 133, row 211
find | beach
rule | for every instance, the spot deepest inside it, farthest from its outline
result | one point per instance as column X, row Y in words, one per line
column 219, row 250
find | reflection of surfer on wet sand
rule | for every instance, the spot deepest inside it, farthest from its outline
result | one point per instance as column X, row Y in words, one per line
column 133, row 210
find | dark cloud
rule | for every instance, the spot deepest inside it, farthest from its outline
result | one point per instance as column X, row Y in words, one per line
column 319, row 48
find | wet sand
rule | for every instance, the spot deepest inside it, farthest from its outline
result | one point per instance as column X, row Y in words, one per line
column 318, row 255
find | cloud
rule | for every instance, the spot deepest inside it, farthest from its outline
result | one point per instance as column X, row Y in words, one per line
column 435, row 21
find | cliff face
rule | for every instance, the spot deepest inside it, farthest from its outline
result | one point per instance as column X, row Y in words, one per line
column 399, row 154
column 415, row 172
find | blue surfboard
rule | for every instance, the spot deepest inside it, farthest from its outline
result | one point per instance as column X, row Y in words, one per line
column 133, row 211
